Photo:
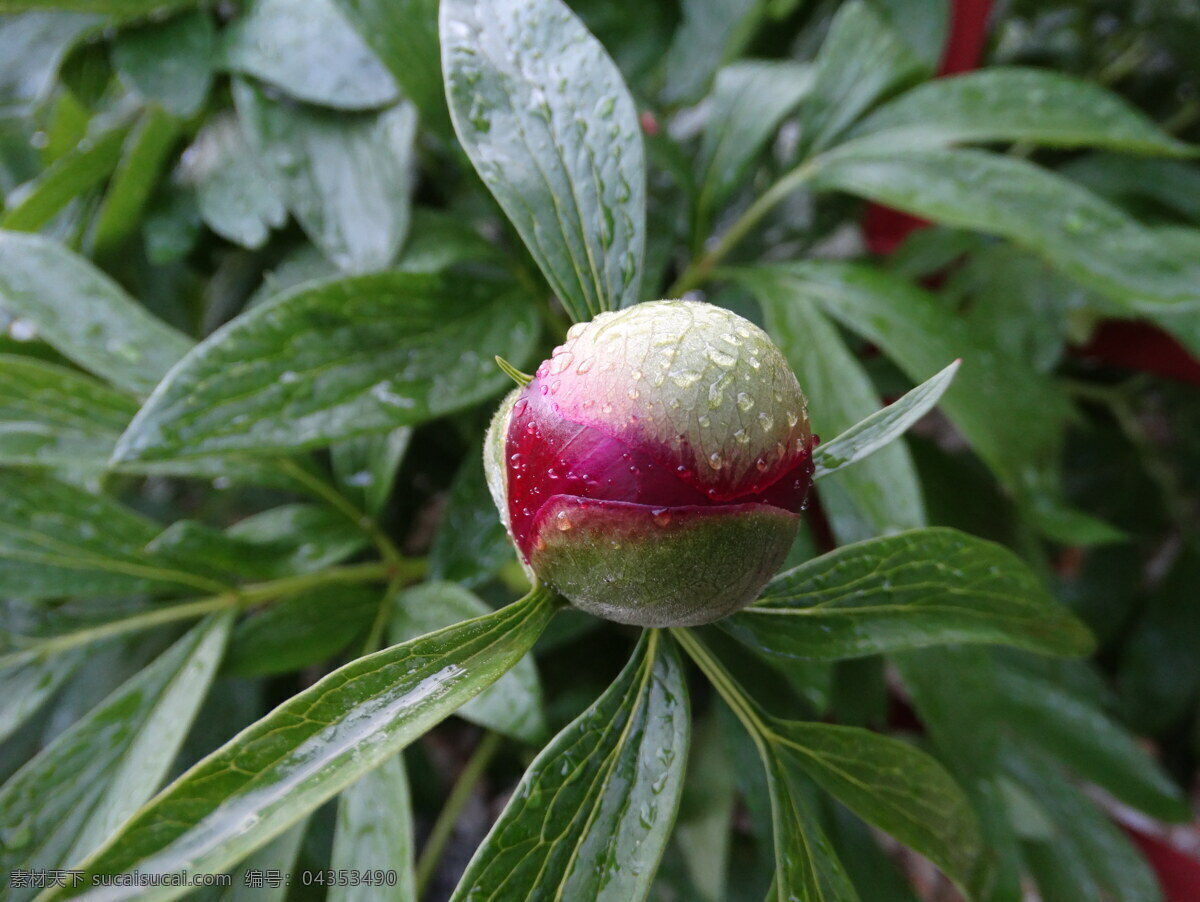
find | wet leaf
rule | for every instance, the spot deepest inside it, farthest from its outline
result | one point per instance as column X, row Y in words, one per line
column 169, row 63
column 1014, row 104
column 366, row 466
column 472, row 543
column 882, row 427
column 374, row 832
column 67, row 800
column 54, row 416
column 550, row 127
column 328, row 361
column 312, row 747
column 919, row 588
column 26, row 687
column 58, row 540
column 345, row 177
column 591, row 816
column 513, row 704
column 308, row 49
column 84, row 314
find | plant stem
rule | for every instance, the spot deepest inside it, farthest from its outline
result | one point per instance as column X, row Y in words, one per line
column 699, row 270
column 746, row 710
column 247, row 596
column 460, row 794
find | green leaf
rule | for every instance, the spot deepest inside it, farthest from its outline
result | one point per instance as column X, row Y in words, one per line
column 169, row 63
column 1012, row 416
column 1076, row 232
column 704, row 828
column 924, row 587
column 308, row 49
column 861, row 61
column 404, row 36
column 892, row 785
column 591, row 816
column 312, row 747
column 922, row 24
column 58, row 540
column 1013, row 104
column 513, row 704
column 143, row 158
column 882, row 427
column 54, row 416
column 67, row 800
column 25, row 687
column 882, row 494
column 120, row 9
column 1132, row 182
column 84, row 314
column 366, row 467
column 346, row 178
column 550, row 127
column 749, row 101
column 374, row 832
column 250, row 883
column 1083, row 837
column 317, row 535
column 471, row 544
column 806, row 867
column 713, row 32
column 35, row 203
column 32, row 47
column 235, row 198
column 301, row 631
column 1087, row 741
column 328, row 361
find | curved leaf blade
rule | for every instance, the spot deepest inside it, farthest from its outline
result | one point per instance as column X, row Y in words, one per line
column 591, row 816
column 81, row 787
column 375, row 830
column 310, row 748
column 892, row 785
column 919, row 588
column 549, row 125
column 84, row 314
column 882, row 427
column 1016, row 104
column 332, row 360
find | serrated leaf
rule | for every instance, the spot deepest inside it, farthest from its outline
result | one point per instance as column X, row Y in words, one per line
column 1015, row 104
column 591, row 816
column 345, row 177
column 404, row 36
column 471, row 544
column 1080, row 234
column 169, row 63
column 881, row 495
column 513, row 704
column 861, row 61
column 308, row 49
column 882, row 427
column 1085, row 739
column 81, row 787
column 84, row 314
column 923, row 587
column 890, row 784
column 54, row 416
column 143, row 156
column 58, row 540
column 375, row 831
column 35, row 203
column 301, row 631
column 749, row 101
column 332, row 360
column 1011, row 415
column 234, row 197
column 549, row 125
column 310, row 748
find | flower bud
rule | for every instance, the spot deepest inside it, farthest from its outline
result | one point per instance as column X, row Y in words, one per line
column 654, row 470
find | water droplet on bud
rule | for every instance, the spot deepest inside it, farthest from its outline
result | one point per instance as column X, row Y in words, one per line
column 662, row 516
column 744, row 401
column 761, row 465
column 562, row 521
column 714, row 461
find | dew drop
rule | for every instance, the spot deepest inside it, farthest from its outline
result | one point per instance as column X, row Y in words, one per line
column 714, row 461
column 721, row 358
column 744, row 401
column 584, row 366
column 560, row 361
column 563, row 522
column 607, row 408
column 761, row 465
column 741, row 437
column 765, row 420
column 633, row 394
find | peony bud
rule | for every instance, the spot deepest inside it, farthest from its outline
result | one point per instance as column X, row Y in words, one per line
column 654, row 470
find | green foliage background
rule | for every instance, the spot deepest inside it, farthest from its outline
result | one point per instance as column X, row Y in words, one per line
column 255, row 262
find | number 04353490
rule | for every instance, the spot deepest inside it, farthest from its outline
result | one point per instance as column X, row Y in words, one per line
column 344, row 877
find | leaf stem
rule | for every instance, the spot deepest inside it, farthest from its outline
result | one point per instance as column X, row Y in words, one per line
column 242, row 598
column 751, row 716
column 460, row 794
column 699, row 270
